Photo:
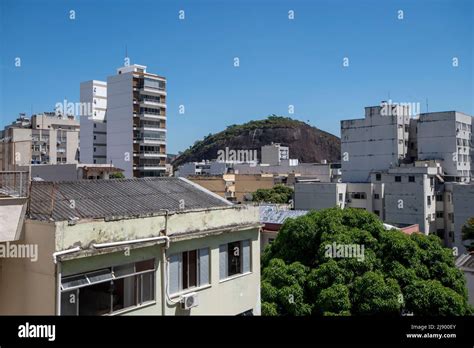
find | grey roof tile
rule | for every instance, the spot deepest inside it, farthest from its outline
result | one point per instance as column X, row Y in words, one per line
column 114, row 198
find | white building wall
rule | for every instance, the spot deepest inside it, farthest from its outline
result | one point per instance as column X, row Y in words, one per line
column 438, row 137
column 93, row 94
column 374, row 143
column 319, row 196
column 462, row 198
column 120, row 122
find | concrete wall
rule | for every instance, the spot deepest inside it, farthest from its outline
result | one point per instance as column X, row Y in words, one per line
column 214, row 184
column 372, row 144
column 463, row 203
column 87, row 232
column 319, row 195
column 406, row 202
column 437, row 139
column 28, row 287
column 246, row 184
column 228, row 297
column 120, row 122
column 58, row 172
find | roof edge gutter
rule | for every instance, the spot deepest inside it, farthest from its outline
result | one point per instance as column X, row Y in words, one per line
column 134, row 241
column 64, row 252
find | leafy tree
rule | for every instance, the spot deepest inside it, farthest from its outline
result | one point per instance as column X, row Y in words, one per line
column 468, row 232
column 118, row 175
column 397, row 271
column 277, row 194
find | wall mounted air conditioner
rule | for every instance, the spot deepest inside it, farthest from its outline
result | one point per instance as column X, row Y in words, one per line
column 189, row 301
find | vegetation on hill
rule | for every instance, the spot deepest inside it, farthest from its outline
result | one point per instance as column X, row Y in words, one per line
column 398, row 272
column 307, row 143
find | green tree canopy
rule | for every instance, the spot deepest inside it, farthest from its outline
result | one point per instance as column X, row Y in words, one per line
column 277, row 194
column 468, row 232
column 397, row 272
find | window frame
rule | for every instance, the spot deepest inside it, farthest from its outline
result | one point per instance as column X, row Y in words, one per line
column 138, row 275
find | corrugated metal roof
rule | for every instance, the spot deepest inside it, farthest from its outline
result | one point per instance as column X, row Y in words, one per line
column 61, row 201
column 274, row 215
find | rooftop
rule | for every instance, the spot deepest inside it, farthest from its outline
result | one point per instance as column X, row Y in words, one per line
column 272, row 214
column 117, row 198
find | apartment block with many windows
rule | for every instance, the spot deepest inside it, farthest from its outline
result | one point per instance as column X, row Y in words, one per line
column 47, row 138
column 136, row 122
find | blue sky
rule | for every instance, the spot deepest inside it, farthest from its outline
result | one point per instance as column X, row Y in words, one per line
column 282, row 62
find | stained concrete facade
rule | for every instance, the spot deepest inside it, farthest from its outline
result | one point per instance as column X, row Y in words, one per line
column 32, row 288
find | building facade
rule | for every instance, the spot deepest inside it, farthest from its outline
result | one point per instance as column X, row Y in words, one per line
column 186, row 253
column 47, row 138
column 136, row 122
column 93, row 135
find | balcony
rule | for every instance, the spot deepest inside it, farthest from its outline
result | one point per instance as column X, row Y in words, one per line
column 151, row 90
column 145, row 116
column 150, row 141
column 152, row 103
column 152, row 154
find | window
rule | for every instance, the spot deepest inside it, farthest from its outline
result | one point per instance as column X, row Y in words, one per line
column 428, row 198
column 376, row 196
column 358, row 195
column 439, row 214
column 398, row 179
column 376, row 212
column 95, row 137
column 108, row 290
column 95, row 149
column 340, row 197
column 439, row 198
column 378, row 176
column 411, row 179
column 188, row 269
column 234, row 258
column 95, row 126
column 431, row 181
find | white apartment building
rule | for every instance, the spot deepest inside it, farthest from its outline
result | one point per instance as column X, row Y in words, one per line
column 409, row 195
column 136, row 122
column 93, row 135
column 458, row 208
column 314, row 195
column 374, row 143
column 275, row 154
column 405, row 170
column 46, row 138
column 446, row 136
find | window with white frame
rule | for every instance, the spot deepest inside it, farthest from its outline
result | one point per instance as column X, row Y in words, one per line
column 234, row 258
column 188, row 269
column 108, row 290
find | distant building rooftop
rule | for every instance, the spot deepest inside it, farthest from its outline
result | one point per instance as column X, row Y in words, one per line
column 271, row 214
column 110, row 199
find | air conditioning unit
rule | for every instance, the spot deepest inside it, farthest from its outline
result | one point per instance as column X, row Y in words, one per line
column 189, row 301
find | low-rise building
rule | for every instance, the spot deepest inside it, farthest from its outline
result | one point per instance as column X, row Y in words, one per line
column 273, row 216
column 153, row 246
column 48, row 138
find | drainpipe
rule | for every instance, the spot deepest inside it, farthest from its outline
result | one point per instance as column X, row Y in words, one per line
column 163, row 266
column 58, row 288
column 58, row 275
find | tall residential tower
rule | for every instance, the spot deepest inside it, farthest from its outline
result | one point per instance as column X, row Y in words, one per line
column 136, row 121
